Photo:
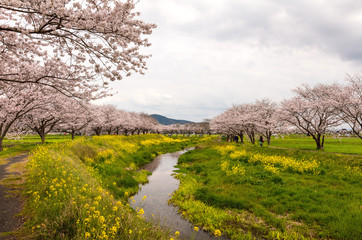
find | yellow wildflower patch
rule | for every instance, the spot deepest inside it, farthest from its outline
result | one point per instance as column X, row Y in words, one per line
column 271, row 163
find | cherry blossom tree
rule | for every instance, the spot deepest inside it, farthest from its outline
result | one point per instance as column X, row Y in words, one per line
column 242, row 116
column 98, row 120
column 347, row 99
column 352, row 112
column 160, row 129
column 205, row 126
column 68, row 44
column 45, row 118
column 76, row 117
column 15, row 103
column 109, row 113
column 138, row 123
column 225, row 123
column 124, row 122
column 147, row 123
column 130, row 126
column 170, row 129
column 265, row 118
column 310, row 113
column 121, row 119
column 52, row 74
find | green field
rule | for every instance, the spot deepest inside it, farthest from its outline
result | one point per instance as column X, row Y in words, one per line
column 16, row 146
column 351, row 145
column 35, row 139
column 247, row 191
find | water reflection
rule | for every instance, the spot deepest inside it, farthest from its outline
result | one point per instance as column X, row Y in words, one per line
column 161, row 185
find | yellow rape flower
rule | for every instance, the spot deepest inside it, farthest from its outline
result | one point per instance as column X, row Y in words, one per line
column 101, row 219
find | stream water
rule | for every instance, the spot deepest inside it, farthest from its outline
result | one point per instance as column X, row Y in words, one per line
column 161, row 185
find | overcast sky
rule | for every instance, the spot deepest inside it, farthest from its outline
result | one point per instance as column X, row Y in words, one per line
column 210, row 54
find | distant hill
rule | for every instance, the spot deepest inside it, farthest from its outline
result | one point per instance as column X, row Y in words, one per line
column 168, row 121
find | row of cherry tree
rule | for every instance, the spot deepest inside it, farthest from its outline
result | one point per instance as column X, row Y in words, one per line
column 56, row 56
column 41, row 110
column 313, row 111
column 33, row 110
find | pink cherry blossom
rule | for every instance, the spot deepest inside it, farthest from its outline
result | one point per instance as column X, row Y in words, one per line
column 73, row 47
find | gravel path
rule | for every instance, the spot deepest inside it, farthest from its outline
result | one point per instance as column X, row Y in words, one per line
column 10, row 204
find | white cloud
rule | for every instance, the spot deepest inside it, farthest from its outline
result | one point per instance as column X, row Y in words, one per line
column 208, row 55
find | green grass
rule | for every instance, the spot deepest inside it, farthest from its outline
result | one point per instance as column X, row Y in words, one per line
column 351, row 145
column 288, row 203
column 35, row 139
column 13, row 147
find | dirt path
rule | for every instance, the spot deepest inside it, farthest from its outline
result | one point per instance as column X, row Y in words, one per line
column 10, row 202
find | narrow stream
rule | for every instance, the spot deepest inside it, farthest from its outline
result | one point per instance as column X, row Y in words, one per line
column 161, row 185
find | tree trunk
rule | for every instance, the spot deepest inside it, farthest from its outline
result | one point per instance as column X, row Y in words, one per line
column 1, row 144
column 322, row 145
column 98, row 131
column 319, row 146
column 268, row 137
column 72, row 133
column 317, row 139
column 241, row 138
column 41, row 132
column 251, row 136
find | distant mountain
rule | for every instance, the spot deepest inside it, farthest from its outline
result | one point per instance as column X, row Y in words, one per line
column 168, row 121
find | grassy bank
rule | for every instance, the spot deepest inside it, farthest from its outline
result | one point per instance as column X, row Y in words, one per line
column 80, row 189
column 247, row 191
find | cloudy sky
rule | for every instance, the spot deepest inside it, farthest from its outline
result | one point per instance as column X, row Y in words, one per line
column 210, row 54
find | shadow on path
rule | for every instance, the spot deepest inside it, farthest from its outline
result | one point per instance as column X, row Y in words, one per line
column 10, row 204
